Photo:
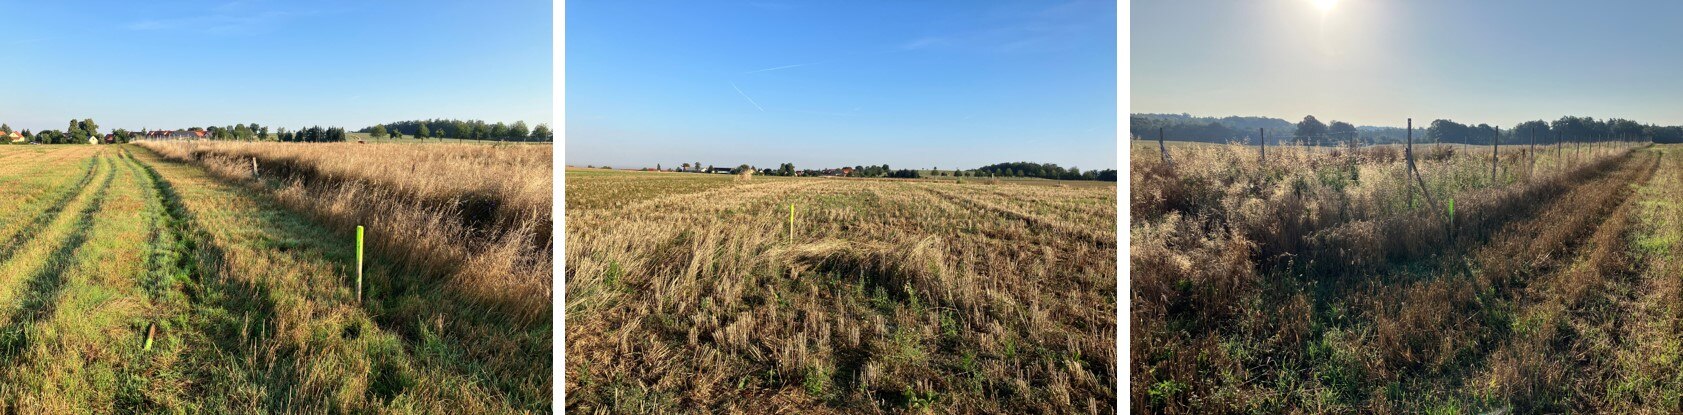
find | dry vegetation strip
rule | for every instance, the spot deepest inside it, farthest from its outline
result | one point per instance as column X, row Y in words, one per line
column 250, row 302
column 891, row 296
column 1320, row 291
column 459, row 269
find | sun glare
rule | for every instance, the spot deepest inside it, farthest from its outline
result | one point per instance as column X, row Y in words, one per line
column 1325, row 5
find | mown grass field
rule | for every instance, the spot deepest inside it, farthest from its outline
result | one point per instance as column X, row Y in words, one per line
column 689, row 292
column 1319, row 282
column 249, row 302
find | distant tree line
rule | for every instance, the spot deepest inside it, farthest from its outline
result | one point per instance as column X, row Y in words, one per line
column 78, row 132
column 1309, row 131
column 1047, row 171
column 313, row 135
column 1312, row 131
column 1568, row 128
column 459, row 129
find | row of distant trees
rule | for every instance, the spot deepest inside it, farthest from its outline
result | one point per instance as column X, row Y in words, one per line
column 79, row 131
column 459, row 129
column 1313, row 131
column 1016, row 169
column 1570, row 128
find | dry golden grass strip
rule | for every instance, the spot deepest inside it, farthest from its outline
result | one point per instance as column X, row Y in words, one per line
column 476, row 217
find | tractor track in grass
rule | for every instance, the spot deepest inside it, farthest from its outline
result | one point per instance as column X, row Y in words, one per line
column 42, row 286
column 1502, row 347
column 31, row 230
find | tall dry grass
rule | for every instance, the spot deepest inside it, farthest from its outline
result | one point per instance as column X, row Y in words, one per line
column 889, row 296
column 477, row 216
column 1319, row 281
column 458, row 239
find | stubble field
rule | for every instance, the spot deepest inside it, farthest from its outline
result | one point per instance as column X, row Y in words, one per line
column 689, row 292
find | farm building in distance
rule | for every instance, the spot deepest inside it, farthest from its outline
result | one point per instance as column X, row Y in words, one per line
column 719, row 170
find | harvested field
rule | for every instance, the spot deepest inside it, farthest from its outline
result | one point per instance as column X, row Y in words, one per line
column 691, row 292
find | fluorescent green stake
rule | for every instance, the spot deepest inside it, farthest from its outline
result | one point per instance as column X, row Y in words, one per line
column 1451, row 213
column 359, row 263
column 151, row 330
column 791, row 221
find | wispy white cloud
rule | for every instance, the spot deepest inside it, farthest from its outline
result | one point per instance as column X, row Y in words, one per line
column 923, row 42
column 235, row 17
column 745, row 95
column 1012, row 27
column 829, row 113
column 779, row 68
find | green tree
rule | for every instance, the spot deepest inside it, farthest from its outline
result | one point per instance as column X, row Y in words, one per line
column 518, row 131
column 422, row 132
column 1341, row 132
column 499, row 131
column 90, row 129
column 5, row 129
column 1311, row 129
column 541, row 133
column 377, row 132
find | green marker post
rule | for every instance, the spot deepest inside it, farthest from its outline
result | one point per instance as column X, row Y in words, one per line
column 1452, row 215
column 359, row 263
column 791, row 221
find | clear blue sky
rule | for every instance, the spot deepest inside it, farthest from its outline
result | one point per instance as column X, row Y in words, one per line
column 1376, row 62
column 174, row 64
column 950, row 84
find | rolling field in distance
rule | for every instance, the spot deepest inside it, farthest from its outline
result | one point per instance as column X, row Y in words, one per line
column 133, row 279
column 690, row 292
column 1325, row 281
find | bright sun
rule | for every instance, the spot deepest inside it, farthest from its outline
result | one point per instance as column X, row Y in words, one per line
column 1325, row 5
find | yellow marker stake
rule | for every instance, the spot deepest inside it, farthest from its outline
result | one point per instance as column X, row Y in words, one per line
column 359, row 263
column 791, row 221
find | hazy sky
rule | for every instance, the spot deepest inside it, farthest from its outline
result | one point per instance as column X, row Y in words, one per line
column 174, row 64
column 1377, row 62
column 951, row 84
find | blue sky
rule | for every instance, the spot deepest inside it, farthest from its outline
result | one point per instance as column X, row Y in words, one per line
column 1377, row 62
column 951, row 84
column 173, row 64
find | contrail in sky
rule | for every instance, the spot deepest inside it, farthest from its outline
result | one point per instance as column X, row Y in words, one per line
column 745, row 95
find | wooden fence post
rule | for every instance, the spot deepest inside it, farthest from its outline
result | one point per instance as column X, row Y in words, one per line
column 1160, row 147
column 1533, row 154
column 1493, row 154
